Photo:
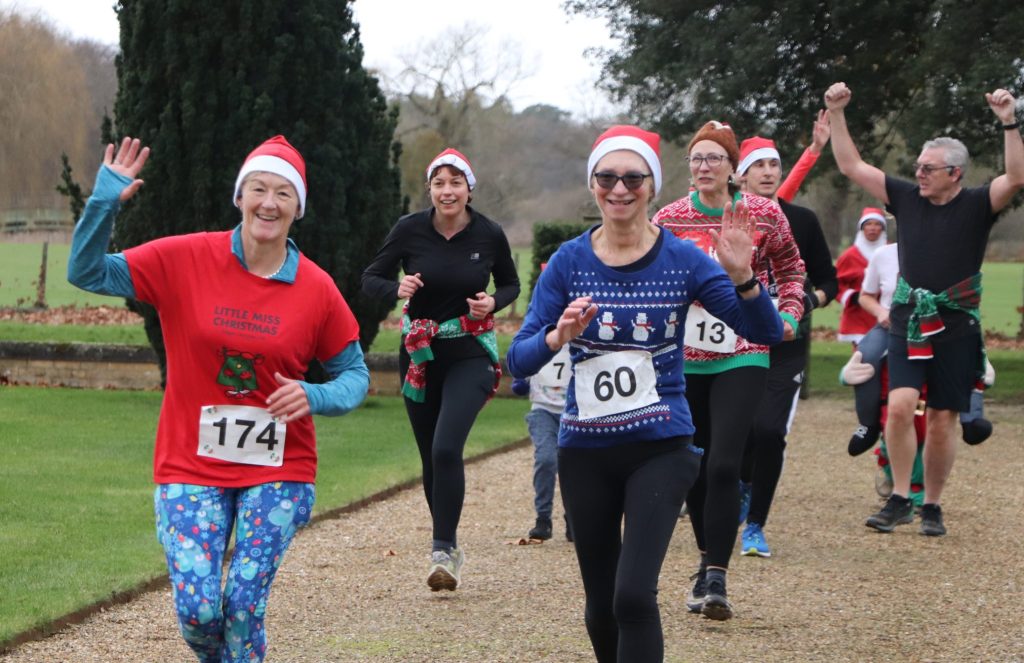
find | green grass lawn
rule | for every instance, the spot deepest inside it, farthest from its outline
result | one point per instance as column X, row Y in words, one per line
column 828, row 357
column 76, row 487
column 19, row 277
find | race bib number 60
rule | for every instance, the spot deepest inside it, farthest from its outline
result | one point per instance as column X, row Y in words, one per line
column 615, row 383
column 241, row 434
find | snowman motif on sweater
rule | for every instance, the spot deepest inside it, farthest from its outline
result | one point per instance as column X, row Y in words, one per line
column 671, row 324
column 606, row 327
column 642, row 327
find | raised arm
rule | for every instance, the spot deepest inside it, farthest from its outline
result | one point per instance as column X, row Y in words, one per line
column 89, row 265
column 819, row 138
column 1003, row 188
column 864, row 175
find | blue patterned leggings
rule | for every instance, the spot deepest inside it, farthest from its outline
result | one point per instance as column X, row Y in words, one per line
column 193, row 524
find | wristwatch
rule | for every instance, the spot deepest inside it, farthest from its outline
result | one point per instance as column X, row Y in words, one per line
column 747, row 286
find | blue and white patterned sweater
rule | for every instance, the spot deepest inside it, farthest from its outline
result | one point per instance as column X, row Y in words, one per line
column 641, row 310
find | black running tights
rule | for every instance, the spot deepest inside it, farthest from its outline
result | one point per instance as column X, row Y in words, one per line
column 643, row 482
column 723, row 406
column 456, row 391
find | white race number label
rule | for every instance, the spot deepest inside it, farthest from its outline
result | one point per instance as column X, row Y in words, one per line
column 241, row 434
column 615, row 383
column 558, row 371
column 706, row 332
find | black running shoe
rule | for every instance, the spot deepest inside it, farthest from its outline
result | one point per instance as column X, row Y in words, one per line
column 541, row 530
column 695, row 599
column 897, row 511
column 716, row 605
column 863, row 439
column 931, row 520
column 976, row 431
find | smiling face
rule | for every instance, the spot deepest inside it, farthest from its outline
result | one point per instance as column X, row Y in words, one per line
column 708, row 179
column 269, row 204
column 619, row 204
column 449, row 192
column 763, row 177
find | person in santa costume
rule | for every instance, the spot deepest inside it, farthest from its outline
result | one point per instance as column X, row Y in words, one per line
column 854, row 321
column 243, row 314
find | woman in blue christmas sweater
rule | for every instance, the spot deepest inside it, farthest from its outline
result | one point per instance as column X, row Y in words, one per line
column 618, row 296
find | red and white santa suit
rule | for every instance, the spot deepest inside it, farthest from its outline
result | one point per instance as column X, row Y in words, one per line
column 854, row 321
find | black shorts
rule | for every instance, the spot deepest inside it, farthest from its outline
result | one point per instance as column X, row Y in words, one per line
column 950, row 374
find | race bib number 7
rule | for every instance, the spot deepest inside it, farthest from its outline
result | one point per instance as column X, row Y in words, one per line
column 615, row 383
column 241, row 434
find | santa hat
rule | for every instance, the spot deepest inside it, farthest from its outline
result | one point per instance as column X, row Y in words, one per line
column 627, row 137
column 276, row 156
column 455, row 159
column 755, row 149
column 871, row 214
column 721, row 133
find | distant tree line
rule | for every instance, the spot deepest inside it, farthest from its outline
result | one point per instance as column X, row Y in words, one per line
column 55, row 93
column 679, row 64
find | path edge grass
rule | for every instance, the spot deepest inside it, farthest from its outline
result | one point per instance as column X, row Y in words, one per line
column 160, row 582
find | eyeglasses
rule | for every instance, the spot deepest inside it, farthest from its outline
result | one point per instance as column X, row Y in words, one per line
column 713, row 160
column 928, row 169
column 633, row 181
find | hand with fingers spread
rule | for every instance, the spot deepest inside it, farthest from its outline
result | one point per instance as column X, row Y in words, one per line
column 128, row 161
column 735, row 242
column 575, row 318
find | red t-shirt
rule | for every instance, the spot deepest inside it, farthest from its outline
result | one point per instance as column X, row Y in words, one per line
column 227, row 331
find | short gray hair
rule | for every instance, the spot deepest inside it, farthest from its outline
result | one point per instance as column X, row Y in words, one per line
column 955, row 151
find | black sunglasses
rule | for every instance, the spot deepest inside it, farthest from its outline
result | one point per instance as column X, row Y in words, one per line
column 633, row 181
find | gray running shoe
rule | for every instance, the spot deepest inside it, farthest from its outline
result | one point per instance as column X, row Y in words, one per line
column 896, row 511
column 883, row 483
column 445, row 569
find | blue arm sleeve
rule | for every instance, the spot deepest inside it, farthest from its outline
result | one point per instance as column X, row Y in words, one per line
column 89, row 266
column 350, row 379
column 529, row 352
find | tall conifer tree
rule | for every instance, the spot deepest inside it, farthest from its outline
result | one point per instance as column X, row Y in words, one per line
column 204, row 83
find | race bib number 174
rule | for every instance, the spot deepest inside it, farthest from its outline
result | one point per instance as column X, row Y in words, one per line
column 241, row 434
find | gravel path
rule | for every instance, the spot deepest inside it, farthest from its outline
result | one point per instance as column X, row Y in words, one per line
column 353, row 588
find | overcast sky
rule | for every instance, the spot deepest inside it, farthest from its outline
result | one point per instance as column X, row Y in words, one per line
column 552, row 42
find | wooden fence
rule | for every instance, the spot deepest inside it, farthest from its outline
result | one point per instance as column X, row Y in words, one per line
column 18, row 221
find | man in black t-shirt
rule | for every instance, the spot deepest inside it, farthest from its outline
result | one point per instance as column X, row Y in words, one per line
column 942, row 231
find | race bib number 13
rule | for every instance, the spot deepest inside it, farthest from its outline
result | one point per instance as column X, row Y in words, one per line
column 241, row 434
column 615, row 383
column 706, row 332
